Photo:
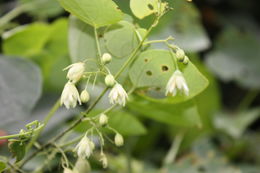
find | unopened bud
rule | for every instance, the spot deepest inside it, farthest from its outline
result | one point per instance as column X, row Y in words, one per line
column 84, row 96
column 186, row 60
column 110, row 80
column 180, row 54
column 103, row 160
column 119, row 140
column 106, row 58
column 103, row 119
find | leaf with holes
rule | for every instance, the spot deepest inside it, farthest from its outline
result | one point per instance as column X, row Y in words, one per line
column 97, row 13
column 122, row 40
column 143, row 8
column 153, row 68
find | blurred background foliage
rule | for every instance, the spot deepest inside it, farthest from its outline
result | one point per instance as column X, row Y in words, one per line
column 221, row 124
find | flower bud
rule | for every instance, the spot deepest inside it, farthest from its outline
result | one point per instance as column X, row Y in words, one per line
column 110, row 80
column 82, row 165
column 180, row 54
column 186, row 60
column 106, row 58
column 119, row 140
column 103, row 119
column 84, row 96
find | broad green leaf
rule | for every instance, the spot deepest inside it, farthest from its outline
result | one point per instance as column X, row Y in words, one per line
column 17, row 148
column 26, row 40
column 124, row 122
column 236, row 57
column 182, row 115
column 121, row 41
column 82, row 43
column 236, row 124
column 20, row 85
column 97, row 13
column 2, row 166
column 143, row 8
column 153, row 68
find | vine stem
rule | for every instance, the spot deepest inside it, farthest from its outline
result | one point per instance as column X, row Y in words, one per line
column 130, row 59
column 171, row 156
column 248, row 99
column 14, row 13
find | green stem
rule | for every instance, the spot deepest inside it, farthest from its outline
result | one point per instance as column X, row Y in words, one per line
column 14, row 13
column 248, row 99
column 45, row 122
column 171, row 156
column 97, row 43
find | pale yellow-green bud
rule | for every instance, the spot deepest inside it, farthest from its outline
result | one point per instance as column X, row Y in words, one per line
column 119, row 140
column 106, row 58
column 82, row 165
column 103, row 160
column 103, row 119
column 84, row 96
column 186, row 60
column 180, row 54
column 110, row 80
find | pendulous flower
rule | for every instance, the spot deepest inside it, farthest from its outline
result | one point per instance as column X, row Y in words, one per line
column 70, row 96
column 75, row 71
column 85, row 147
column 177, row 82
column 118, row 95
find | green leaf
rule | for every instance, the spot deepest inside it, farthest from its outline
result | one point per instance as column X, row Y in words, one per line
column 49, row 8
column 235, row 57
column 82, row 43
column 121, row 41
column 235, row 124
column 97, row 13
column 126, row 123
column 17, row 148
column 26, row 40
column 153, row 68
column 143, row 8
column 20, row 85
column 183, row 114
column 2, row 166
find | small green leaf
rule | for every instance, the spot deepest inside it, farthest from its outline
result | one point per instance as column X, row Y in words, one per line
column 143, row 8
column 153, row 68
column 97, row 13
column 121, row 41
column 17, row 148
column 2, row 166
column 26, row 40
column 183, row 114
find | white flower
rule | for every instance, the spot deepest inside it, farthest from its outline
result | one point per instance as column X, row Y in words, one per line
column 177, row 82
column 85, row 147
column 118, row 95
column 76, row 71
column 103, row 160
column 70, row 96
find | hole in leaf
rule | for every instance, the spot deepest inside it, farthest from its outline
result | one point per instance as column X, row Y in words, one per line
column 149, row 73
column 145, row 60
column 165, row 68
column 150, row 6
